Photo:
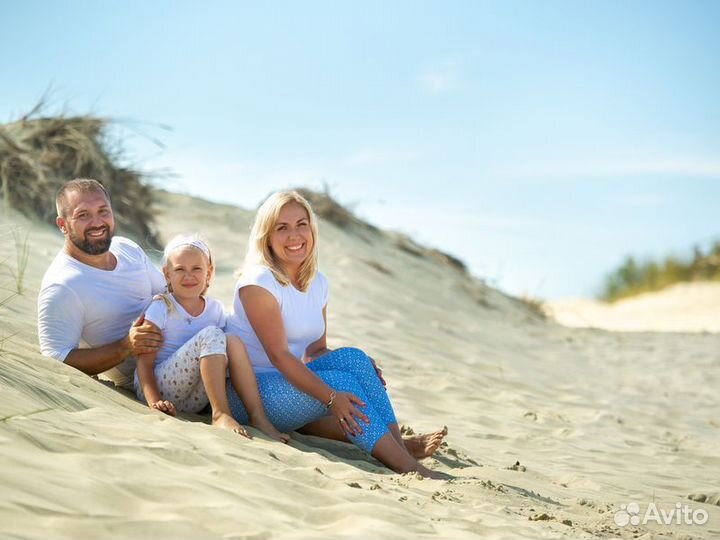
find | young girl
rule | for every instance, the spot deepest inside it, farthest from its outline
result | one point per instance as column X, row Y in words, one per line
column 189, row 369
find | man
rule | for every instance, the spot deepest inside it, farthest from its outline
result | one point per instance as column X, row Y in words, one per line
column 95, row 288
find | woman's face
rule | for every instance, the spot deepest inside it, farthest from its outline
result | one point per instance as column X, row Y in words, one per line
column 291, row 239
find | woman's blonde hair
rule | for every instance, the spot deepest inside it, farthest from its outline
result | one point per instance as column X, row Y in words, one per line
column 259, row 250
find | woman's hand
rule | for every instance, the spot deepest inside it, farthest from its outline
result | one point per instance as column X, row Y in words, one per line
column 163, row 405
column 344, row 409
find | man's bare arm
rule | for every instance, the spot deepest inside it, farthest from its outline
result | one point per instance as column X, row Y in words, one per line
column 99, row 359
column 143, row 338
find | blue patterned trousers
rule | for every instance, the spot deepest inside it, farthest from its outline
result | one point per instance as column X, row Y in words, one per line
column 344, row 370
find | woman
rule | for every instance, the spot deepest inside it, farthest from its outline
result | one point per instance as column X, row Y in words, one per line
column 279, row 313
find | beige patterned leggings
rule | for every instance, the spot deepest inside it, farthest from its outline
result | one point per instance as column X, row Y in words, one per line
column 178, row 377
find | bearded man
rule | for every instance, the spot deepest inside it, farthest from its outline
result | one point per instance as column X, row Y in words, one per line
column 95, row 288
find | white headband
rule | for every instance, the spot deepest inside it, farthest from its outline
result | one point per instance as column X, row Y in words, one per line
column 180, row 241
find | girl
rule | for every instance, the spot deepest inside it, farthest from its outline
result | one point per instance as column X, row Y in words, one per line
column 189, row 369
column 280, row 313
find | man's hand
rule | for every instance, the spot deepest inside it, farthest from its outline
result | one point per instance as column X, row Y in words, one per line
column 163, row 405
column 144, row 337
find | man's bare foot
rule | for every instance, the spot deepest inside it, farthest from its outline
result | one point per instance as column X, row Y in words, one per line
column 225, row 421
column 268, row 429
column 422, row 446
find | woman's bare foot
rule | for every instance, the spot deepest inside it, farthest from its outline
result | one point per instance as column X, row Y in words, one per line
column 268, row 429
column 225, row 421
column 422, row 446
column 433, row 475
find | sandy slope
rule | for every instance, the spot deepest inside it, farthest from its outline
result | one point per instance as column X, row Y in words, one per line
column 685, row 307
column 597, row 419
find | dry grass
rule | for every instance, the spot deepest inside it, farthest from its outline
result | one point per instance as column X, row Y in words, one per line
column 535, row 305
column 448, row 260
column 38, row 154
column 409, row 246
column 329, row 209
column 22, row 255
column 378, row 266
column 6, row 298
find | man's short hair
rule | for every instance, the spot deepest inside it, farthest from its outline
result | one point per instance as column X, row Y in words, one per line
column 83, row 185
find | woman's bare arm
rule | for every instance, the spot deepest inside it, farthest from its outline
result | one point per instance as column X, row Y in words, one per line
column 263, row 312
column 264, row 315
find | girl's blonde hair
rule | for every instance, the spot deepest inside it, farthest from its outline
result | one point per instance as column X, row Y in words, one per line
column 259, row 250
column 182, row 241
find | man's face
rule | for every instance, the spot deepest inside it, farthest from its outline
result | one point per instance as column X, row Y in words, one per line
column 89, row 222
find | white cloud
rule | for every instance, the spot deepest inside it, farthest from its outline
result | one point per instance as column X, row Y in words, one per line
column 439, row 79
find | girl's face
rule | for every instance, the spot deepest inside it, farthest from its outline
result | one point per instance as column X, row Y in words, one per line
column 187, row 272
column 291, row 239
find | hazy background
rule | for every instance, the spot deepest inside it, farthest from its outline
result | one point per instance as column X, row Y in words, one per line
column 539, row 142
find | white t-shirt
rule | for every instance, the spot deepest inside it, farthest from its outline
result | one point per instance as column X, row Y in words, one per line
column 178, row 326
column 84, row 306
column 301, row 314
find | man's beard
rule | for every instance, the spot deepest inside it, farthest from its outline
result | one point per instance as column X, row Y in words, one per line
column 96, row 246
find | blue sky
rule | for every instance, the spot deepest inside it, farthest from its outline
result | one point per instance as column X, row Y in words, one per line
column 540, row 142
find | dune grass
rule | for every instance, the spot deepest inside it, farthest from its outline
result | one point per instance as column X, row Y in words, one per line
column 535, row 305
column 38, row 154
column 5, row 298
column 635, row 277
column 22, row 255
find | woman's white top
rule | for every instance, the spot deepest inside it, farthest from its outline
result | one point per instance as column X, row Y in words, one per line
column 301, row 314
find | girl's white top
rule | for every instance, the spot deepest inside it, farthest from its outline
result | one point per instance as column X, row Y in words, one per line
column 178, row 326
column 301, row 314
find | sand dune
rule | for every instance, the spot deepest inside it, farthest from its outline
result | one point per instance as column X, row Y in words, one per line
column 595, row 419
column 685, row 307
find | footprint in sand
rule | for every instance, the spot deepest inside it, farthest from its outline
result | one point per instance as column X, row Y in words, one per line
column 707, row 499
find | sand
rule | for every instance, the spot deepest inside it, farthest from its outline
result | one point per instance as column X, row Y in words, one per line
column 596, row 419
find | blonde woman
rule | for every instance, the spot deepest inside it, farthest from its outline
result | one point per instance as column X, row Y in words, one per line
column 279, row 313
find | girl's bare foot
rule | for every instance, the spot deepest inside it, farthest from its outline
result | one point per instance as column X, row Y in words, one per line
column 225, row 421
column 422, row 446
column 268, row 429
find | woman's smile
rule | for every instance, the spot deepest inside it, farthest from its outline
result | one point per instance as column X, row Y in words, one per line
column 291, row 239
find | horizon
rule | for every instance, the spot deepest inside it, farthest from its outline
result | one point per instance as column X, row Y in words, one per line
column 539, row 144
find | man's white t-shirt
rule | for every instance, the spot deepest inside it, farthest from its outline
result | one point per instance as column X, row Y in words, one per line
column 301, row 314
column 83, row 306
